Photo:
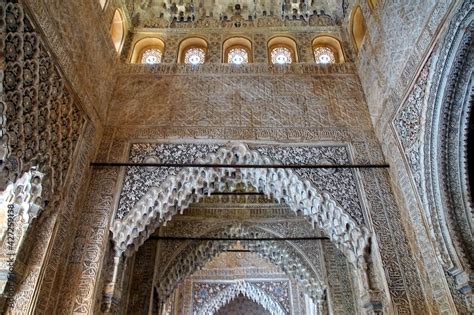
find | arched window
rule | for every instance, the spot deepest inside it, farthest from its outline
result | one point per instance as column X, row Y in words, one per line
column 282, row 50
column 117, row 30
column 194, row 56
column 237, row 55
column 148, row 50
column 358, row 27
column 324, row 55
column 327, row 50
column 237, row 50
column 192, row 51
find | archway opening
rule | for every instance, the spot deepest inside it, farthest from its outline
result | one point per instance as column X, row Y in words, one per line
column 244, row 305
column 200, row 276
column 148, row 50
column 327, row 49
column 193, row 51
column 237, row 50
column 176, row 193
column 160, row 204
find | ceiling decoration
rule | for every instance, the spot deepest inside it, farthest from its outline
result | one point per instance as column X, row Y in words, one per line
column 170, row 13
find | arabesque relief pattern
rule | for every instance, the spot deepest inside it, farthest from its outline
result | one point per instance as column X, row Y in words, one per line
column 259, row 102
column 157, row 206
column 41, row 127
column 42, row 120
column 139, row 180
column 256, row 101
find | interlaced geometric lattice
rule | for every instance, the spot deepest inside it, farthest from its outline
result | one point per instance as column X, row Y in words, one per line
column 151, row 56
column 281, row 55
column 194, row 56
column 237, row 56
column 324, row 55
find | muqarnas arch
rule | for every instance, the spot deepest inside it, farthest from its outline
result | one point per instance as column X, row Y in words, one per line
column 159, row 204
column 246, row 289
column 284, row 256
column 176, row 193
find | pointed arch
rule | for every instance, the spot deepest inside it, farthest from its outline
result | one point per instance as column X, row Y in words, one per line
column 176, row 193
column 117, row 30
column 241, row 288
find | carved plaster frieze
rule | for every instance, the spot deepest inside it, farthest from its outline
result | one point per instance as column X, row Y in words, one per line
column 430, row 126
column 230, row 69
column 340, row 184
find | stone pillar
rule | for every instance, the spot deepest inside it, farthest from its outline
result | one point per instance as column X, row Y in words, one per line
column 90, row 244
column 112, row 293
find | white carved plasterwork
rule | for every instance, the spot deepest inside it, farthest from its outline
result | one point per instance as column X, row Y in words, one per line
column 24, row 196
column 340, row 184
column 447, row 185
column 245, row 288
column 175, row 194
column 409, row 123
column 431, row 127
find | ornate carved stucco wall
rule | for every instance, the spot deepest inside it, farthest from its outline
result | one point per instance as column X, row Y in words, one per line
column 299, row 104
column 404, row 84
column 49, row 128
column 78, row 35
column 227, row 269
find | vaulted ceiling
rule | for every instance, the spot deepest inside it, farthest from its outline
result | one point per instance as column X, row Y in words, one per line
column 146, row 13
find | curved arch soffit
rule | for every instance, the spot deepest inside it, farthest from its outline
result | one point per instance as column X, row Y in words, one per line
column 287, row 258
column 246, row 289
column 176, row 193
column 446, row 176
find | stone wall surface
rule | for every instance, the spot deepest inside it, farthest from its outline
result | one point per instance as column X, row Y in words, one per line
column 45, row 128
column 403, row 79
column 77, row 34
column 375, row 109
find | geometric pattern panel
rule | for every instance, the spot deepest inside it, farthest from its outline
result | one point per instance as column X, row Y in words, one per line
column 217, row 100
